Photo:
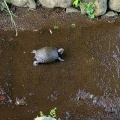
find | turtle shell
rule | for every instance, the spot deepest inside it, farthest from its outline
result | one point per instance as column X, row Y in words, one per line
column 46, row 54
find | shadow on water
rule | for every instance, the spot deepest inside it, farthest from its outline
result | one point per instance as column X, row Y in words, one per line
column 85, row 86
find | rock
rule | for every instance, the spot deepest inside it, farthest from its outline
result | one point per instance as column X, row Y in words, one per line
column 56, row 3
column 110, row 14
column 44, row 118
column 23, row 3
column 114, row 5
column 71, row 10
column 82, row 9
column 100, row 7
column 89, row 0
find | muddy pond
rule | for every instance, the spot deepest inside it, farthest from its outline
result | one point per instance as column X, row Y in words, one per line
column 86, row 86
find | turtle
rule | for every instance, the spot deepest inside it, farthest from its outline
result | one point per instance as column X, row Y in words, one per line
column 47, row 55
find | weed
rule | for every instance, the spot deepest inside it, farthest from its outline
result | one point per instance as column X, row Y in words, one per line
column 76, row 3
column 42, row 114
column 52, row 114
column 89, row 7
column 6, row 8
column 56, row 27
column 73, row 25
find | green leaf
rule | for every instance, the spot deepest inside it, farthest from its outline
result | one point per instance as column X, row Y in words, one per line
column 56, row 27
column 89, row 9
column 91, row 16
column 76, row 3
column 73, row 25
column 53, row 113
column 59, row 119
column 41, row 114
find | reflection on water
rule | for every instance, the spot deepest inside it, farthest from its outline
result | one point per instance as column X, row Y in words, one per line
column 117, row 60
column 105, row 102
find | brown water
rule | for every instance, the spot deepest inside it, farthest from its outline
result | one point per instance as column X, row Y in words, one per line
column 92, row 66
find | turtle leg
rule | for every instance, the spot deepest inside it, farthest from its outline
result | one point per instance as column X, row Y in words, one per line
column 61, row 50
column 35, row 63
column 60, row 59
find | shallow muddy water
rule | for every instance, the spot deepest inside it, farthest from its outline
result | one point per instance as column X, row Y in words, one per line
column 85, row 86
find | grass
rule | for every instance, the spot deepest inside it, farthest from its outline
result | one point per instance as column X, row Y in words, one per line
column 6, row 8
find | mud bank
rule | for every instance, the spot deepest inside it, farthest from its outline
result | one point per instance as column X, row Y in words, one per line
column 45, row 18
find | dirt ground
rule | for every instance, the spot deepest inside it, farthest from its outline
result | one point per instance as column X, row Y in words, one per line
column 43, row 18
column 84, row 87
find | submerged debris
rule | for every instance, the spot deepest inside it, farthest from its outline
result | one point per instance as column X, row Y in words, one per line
column 21, row 101
column 82, row 94
column 53, row 96
column 68, row 115
column 4, row 98
column 50, row 31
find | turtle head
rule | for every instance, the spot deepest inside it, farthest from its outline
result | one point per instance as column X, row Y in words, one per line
column 61, row 50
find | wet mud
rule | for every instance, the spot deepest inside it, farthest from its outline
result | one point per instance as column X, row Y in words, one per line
column 85, row 86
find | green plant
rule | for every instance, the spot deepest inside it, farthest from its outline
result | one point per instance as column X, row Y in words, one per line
column 52, row 114
column 73, row 25
column 56, row 27
column 76, row 3
column 41, row 114
column 89, row 8
column 6, row 8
